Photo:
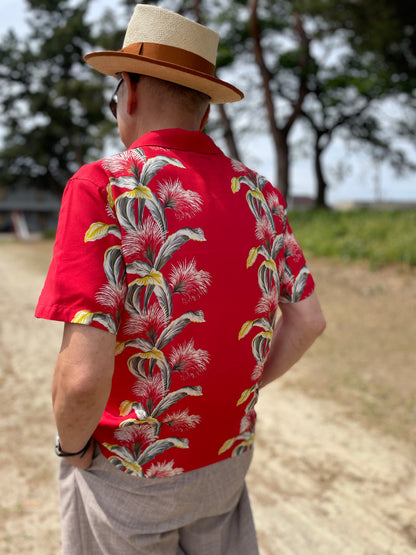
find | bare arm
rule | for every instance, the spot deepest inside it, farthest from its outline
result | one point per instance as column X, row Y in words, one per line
column 298, row 327
column 81, row 386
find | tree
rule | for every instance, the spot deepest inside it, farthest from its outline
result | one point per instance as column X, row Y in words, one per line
column 294, row 43
column 382, row 30
column 200, row 14
column 54, row 106
column 299, row 60
column 258, row 36
column 372, row 55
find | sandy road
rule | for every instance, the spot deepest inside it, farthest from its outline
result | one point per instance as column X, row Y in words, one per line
column 320, row 483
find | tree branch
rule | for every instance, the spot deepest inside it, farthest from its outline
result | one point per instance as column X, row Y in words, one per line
column 264, row 72
column 303, row 64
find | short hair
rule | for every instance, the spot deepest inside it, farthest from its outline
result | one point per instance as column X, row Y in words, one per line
column 189, row 99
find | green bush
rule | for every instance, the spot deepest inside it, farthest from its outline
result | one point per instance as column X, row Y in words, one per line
column 380, row 236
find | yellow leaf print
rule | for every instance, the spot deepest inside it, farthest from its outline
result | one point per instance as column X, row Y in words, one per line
column 252, row 255
column 132, row 421
column 153, row 354
column 270, row 264
column 110, row 198
column 153, row 278
column 235, row 184
column 141, row 191
column 244, row 396
column 246, row 443
column 226, row 445
column 126, row 408
column 131, row 467
column 245, row 328
column 266, row 334
column 82, row 317
column 258, row 195
column 96, row 231
column 120, row 345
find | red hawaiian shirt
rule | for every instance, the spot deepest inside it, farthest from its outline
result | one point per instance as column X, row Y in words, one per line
column 185, row 255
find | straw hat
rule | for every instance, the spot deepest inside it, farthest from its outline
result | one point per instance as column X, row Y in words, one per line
column 163, row 44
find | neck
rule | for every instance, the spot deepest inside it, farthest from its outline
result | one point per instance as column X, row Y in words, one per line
column 154, row 123
column 149, row 107
column 147, row 129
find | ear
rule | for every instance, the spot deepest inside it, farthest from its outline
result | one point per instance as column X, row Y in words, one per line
column 205, row 118
column 131, row 88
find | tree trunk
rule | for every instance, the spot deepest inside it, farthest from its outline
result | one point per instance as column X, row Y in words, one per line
column 226, row 122
column 279, row 134
column 229, row 134
column 197, row 10
column 278, row 139
column 320, row 178
column 282, row 150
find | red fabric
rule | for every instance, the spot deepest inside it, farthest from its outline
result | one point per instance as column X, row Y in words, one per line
column 184, row 254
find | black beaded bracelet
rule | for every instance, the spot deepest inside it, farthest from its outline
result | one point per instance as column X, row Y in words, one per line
column 61, row 453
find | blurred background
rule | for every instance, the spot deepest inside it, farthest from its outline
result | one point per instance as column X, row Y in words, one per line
column 329, row 117
column 329, row 114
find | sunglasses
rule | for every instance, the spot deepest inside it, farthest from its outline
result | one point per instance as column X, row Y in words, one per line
column 113, row 101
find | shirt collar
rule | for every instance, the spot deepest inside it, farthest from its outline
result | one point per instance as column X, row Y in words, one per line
column 178, row 139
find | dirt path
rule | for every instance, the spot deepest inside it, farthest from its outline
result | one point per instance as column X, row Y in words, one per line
column 29, row 518
column 321, row 483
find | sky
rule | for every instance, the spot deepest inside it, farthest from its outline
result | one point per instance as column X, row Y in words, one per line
column 363, row 180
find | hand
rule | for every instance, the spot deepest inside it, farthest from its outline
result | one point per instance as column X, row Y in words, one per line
column 85, row 461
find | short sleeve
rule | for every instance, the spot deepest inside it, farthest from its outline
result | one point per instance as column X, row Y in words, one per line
column 296, row 282
column 86, row 279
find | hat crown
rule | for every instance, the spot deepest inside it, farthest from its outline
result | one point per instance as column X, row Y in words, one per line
column 165, row 45
column 156, row 25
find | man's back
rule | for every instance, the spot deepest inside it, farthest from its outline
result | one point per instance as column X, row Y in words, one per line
column 187, row 255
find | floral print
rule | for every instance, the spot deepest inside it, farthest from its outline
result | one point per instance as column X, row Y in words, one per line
column 274, row 274
column 146, row 247
column 155, row 246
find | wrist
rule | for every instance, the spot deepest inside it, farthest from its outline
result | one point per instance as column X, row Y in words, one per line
column 62, row 453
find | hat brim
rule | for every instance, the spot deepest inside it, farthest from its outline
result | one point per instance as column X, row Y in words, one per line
column 112, row 62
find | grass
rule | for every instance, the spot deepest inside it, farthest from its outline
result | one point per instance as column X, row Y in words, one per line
column 366, row 356
column 381, row 237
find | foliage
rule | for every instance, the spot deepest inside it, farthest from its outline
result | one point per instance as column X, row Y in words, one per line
column 350, row 78
column 317, row 59
column 274, row 37
column 54, row 106
column 384, row 31
column 329, row 61
column 380, row 236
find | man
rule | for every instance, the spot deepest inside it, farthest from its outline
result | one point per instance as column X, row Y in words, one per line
column 170, row 263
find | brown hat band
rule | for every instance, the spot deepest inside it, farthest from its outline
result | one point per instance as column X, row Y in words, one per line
column 171, row 55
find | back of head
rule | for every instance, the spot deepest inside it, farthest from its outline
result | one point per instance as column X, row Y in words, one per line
column 174, row 97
